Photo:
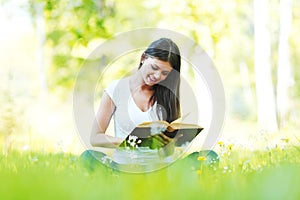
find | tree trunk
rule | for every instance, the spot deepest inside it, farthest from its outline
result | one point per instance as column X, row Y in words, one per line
column 284, row 77
column 267, row 121
column 40, row 29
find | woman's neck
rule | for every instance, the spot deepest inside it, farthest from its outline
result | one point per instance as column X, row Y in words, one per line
column 141, row 92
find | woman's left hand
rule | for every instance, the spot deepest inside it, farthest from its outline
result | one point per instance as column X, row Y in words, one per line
column 165, row 144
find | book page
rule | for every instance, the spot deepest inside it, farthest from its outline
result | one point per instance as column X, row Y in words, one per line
column 154, row 123
column 184, row 126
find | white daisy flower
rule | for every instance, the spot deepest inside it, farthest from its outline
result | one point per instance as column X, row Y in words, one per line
column 132, row 140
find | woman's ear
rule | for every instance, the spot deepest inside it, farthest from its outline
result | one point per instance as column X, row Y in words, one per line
column 143, row 58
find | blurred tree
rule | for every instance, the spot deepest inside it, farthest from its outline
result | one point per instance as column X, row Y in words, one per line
column 264, row 87
column 8, row 115
column 224, row 29
column 284, row 71
column 294, row 42
column 69, row 24
column 40, row 29
column 73, row 28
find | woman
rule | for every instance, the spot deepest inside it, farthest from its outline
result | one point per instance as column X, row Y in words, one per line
column 149, row 95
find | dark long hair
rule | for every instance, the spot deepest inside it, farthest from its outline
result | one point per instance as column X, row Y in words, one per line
column 166, row 93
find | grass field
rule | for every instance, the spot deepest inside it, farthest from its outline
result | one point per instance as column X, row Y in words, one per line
column 241, row 174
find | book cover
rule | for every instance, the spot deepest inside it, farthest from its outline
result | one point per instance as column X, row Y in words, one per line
column 158, row 134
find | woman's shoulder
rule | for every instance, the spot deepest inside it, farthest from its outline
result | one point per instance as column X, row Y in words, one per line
column 118, row 90
column 116, row 82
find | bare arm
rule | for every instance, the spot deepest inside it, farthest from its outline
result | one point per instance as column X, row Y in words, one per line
column 98, row 137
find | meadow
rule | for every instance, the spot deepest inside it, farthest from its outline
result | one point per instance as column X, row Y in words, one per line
column 44, row 44
column 272, row 173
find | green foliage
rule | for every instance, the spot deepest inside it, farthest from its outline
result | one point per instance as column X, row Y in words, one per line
column 241, row 173
column 295, row 49
column 70, row 24
column 224, row 29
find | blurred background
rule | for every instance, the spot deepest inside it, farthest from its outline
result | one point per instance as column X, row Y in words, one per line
column 255, row 46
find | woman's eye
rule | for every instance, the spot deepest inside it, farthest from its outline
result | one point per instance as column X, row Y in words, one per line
column 154, row 68
column 165, row 73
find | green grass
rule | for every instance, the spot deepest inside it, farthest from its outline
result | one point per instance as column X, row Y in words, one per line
column 241, row 174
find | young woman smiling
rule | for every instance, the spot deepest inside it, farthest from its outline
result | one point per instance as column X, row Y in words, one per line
column 152, row 93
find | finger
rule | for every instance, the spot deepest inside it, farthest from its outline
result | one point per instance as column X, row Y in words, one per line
column 158, row 139
column 165, row 137
column 161, row 139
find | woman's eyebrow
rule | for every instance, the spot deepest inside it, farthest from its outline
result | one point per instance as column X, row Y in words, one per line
column 155, row 65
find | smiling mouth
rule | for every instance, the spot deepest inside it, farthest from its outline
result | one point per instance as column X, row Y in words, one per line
column 152, row 80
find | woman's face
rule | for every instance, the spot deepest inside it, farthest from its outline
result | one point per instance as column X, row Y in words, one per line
column 154, row 71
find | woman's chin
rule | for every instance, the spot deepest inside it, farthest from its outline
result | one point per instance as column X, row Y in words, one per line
column 150, row 84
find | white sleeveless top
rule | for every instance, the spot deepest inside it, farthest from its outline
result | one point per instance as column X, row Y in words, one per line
column 126, row 117
column 127, row 114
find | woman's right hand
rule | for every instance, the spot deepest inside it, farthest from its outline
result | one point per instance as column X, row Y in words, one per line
column 103, row 140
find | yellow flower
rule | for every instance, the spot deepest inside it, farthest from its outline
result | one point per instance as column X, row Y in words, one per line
column 201, row 158
column 199, row 172
column 221, row 143
column 230, row 146
column 285, row 139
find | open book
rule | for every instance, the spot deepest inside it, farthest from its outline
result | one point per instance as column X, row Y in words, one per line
column 158, row 134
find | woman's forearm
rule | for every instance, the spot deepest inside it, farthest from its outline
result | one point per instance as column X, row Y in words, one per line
column 103, row 140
